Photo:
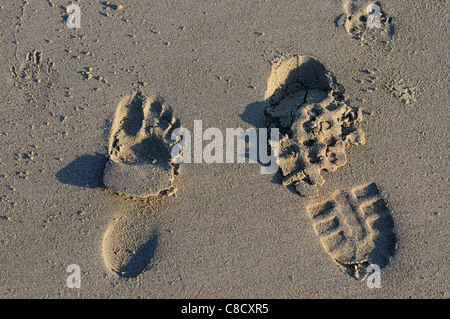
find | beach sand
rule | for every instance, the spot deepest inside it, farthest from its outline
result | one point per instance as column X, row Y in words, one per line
column 228, row 231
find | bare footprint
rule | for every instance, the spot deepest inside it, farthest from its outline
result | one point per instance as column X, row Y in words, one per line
column 306, row 103
column 140, row 163
column 34, row 75
column 356, row 228
column 365, row 21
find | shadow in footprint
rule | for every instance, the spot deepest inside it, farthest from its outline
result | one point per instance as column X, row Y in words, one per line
column 338, row 21
column 140, row 261
column 84, row 171
column 254, row 114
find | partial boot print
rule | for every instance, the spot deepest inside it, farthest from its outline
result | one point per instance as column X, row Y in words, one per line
column 356, row 229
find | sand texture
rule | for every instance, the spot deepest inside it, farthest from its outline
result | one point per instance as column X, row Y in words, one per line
column 87, row 176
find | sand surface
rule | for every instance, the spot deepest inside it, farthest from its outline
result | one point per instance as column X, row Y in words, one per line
column 228, row 231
